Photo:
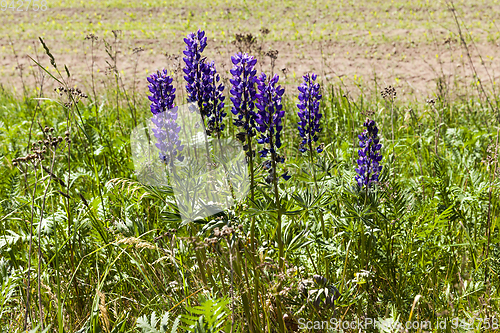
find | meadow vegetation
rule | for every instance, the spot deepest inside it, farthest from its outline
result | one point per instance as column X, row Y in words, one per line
column 86, row 247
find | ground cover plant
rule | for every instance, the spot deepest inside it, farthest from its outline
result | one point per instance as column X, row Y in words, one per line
column 369, row 209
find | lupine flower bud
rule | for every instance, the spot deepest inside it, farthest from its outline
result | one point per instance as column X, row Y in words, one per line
column 368, row 163
column 309, row 115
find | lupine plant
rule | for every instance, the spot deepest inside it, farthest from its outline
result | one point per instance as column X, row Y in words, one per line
column 165, row 115
column 199, row 78
column 243, row 97
column 309, row 127
column 369, row 157
column 269, row 124
column 309, row 117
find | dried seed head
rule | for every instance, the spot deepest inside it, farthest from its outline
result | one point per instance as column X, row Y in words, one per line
column 273, row 54
column 226, row 231
column 368, row 113
column 389, row 93
column 66, row 133
column 14, row 163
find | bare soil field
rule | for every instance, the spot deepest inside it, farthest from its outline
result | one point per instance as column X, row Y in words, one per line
column 367, row 44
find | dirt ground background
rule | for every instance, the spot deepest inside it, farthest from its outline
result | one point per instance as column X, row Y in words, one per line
column 364, row 45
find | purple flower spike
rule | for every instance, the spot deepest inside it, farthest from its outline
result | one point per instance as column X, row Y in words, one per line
column 309, row 114
column 162, row 92
column 244, row 93
column 195, row 65
column 165, row 116
column 213, row 99
column 167, row 133
column 369, row 157
column 269, row 120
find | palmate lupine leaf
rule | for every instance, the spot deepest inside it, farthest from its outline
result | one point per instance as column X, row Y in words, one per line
column 210, row 316
column 264, row 206
column 149, row 326
column 140, row 191
column 307, row 198
column 292, row 240
column 289, row 207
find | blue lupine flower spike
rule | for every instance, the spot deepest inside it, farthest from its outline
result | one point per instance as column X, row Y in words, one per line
column 213, row 99
column 309, row 115
column 244, row 94
column 165, row 116
column 369, row 157
column 162, row 92
column 195, row 65
column 270, row 120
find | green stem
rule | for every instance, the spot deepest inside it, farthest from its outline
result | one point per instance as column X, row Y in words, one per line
column 278, row 230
